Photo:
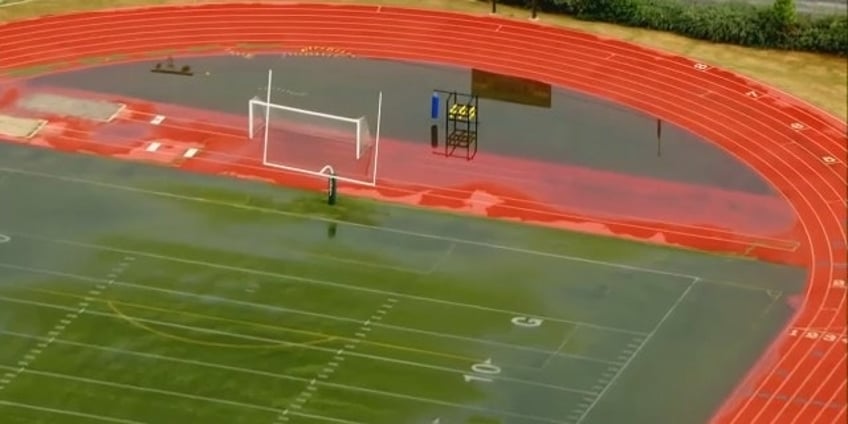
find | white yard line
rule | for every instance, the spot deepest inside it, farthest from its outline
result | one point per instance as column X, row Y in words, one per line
column 248, row 371
column 321, row 282
column 441, row 259
column 282, row 309
column 650, row 335
column 93, row 295
column 303, row 398
column 446, row 370
column 561, row 346
column 138, row 388
column 56, row 411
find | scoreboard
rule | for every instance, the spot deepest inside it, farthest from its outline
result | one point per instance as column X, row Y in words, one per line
column 510, row 89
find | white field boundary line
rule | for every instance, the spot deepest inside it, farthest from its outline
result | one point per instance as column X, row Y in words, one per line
column 281, row 309
column 252, row 372
column 337, row 359
column 375, row 358
column 101, row 418
column 627, row 363
column 137, row 388
column 456, row 240
column 92, row 295
column 316, row 281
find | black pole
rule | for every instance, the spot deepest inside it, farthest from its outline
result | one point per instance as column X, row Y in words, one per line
column 494, row 6
column 535, row 9
column 434, row 136
column 659, row 137
column 448, row 112
column 331, row 190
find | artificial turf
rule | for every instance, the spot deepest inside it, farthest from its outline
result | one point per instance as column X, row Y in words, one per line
column 132, row 293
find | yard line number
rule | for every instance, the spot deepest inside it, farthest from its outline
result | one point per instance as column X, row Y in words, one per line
column 527, row 322
column 482, row 372
column 4, row 238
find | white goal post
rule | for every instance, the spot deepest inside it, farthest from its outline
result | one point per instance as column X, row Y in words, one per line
column 355, row 132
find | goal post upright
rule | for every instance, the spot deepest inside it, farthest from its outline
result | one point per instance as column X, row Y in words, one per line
column 250, row 118
column 358, row 142
column 267, row 118
column 377, row 137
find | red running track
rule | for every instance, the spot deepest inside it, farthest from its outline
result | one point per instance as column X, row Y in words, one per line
column 801, row 151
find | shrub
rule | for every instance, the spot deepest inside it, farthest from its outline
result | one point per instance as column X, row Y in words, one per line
column 828, row 35
column 773, row 26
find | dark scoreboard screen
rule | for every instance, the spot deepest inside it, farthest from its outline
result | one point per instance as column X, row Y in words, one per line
column 505, row 88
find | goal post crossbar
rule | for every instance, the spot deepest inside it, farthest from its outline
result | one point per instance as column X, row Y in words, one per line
column 357, row 124
column 258, row 102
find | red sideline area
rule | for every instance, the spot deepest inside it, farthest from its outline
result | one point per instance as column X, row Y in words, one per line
column 800, row 150
column 493, row 185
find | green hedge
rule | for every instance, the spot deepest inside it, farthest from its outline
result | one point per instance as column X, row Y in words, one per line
column 775, row 26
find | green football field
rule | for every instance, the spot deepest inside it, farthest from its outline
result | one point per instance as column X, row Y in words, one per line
column 136, row 294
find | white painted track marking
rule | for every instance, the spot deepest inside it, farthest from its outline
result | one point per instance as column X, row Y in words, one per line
column 152, row 147
column 158, row 119
column 4, row 238
column 190, row 153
